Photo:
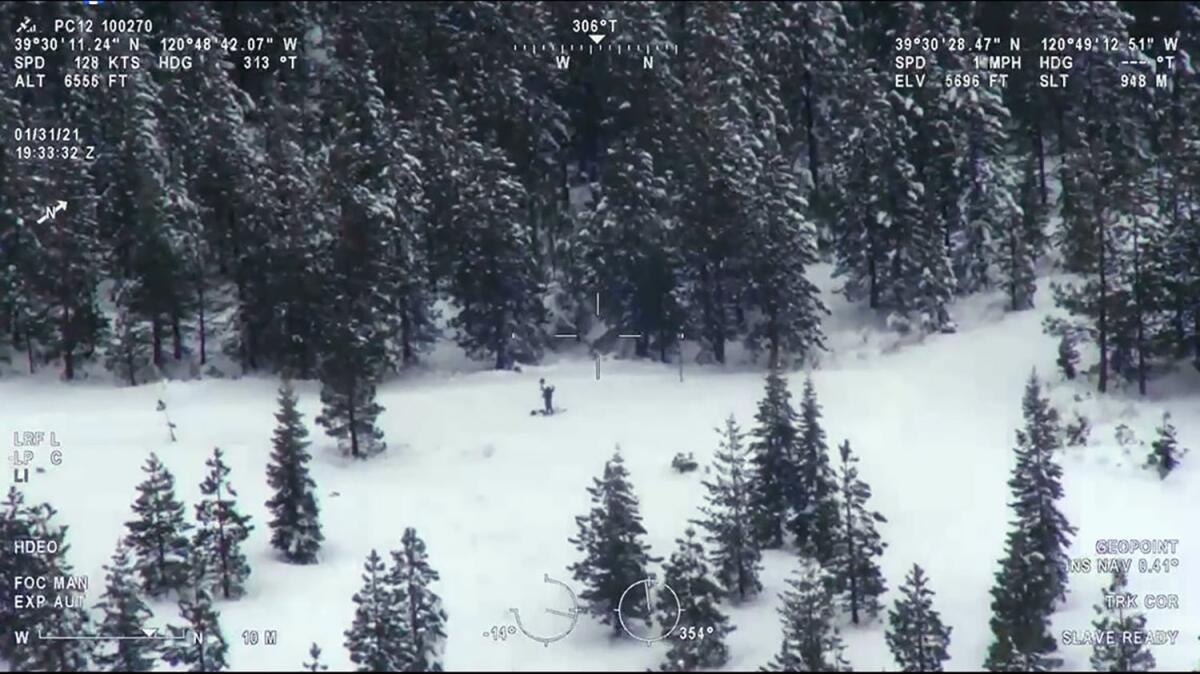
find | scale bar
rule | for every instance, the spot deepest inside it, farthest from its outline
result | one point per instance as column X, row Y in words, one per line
column 103, row 638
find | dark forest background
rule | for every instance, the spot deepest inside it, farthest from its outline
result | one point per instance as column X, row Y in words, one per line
column 416, row 177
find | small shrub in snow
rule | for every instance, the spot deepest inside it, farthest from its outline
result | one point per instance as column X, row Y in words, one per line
column 1077, row 431
column 684, row 463
column 1165, row 451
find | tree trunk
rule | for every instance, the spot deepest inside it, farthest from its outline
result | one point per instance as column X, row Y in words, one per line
column 29, row 352
column 351, row 425
column 850, row 562
column 202, row 328
column 1039, row 149
column 156, row 332
column 1102, row 318
column 68, row 344
column 501, row 342
column 176, row 335
column 1139, row 309
column 814, row 166
column 872, row 270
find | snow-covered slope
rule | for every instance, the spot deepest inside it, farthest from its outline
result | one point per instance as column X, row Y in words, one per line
column 494, row 491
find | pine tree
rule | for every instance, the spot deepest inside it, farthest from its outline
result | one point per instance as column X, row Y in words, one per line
column 699, row 600
column 140, row 212
column 781, row 248
column 495, row 279
column 773, row 453
column 295, row 524
column 728, row 517
column 915, row 634
column 370, row 207
column 1020, row 242
column 1114, row 619
column 199, row 645
column 349, row 410
column 14, row 526
column 220, row 532
column 812, row 496
column 296, row 254
column 61, row 615
column 1033, row 574
column 1020, row 621
column 718, row 168
column 1068, row 357
column 1165, row 451
column 423, row 617
column 626, row 241
column 854, row 562
column 1036, row 485
column 70, row 256
column 610, row 538
column 811, row 643
column 315, row 664
column 125, row 614
column 158, row 536
column 377, row 637
column 128, row 352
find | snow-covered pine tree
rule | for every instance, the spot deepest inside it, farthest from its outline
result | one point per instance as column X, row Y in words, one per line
column 14, row 526
column 773, row 450
column 295, row 524
column 128, row 351
column 369, row 210
column 728, row 517
column 990, row 230
column 699, row 607
column 1114, row 618
column 423, row 617
column 349, row 410
column 1068, row 356
column 812, row 496
column 782, row 245
column 62, row 615
column 1037, row 483
column 719, row 163
column 1165, row 451
column 376, row 638
column 125, row 614
column 626, row 250
column 1019, row 243
column 915, row 633
column 296, row 254
column 314, row 664
column 137, row 213
column 70, row 255
column 158, row 535
column 811, row 642
column 610, row 537
column 1020, row 620
column 1107, row 202
column 627, row 245
column 1033, row 574
column 495, row 279
column 199, row 645
column 220, row 532
column 858, row 546
column 218, row 168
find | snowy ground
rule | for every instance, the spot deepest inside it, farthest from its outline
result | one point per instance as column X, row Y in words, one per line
column 494, row 492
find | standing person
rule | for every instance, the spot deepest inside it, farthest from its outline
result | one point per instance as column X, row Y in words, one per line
column 547, row 397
